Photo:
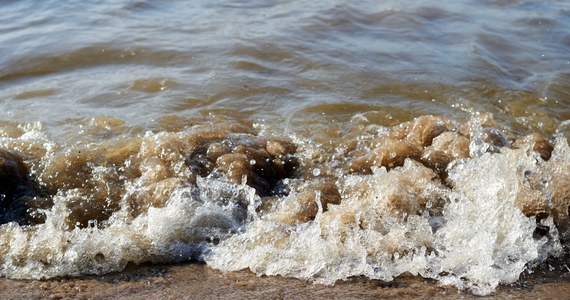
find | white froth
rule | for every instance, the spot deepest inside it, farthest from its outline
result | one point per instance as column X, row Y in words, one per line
column 179, row 231
column 482, row 238
column 486, row 239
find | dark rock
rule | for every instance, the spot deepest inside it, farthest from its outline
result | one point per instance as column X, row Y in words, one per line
column 19, row 198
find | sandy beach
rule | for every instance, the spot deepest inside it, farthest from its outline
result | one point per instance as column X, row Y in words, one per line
column 198, row 281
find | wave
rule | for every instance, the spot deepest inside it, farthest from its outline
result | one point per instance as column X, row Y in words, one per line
column 468, row 204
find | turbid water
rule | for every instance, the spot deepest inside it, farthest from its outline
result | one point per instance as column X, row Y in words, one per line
column 315, row 140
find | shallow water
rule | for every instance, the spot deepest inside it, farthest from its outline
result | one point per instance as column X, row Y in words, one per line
column 312, row 140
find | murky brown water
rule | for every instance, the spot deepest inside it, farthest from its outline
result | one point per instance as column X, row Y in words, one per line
column 320, row 141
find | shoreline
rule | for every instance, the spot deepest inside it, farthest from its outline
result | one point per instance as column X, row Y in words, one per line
column 198, row 281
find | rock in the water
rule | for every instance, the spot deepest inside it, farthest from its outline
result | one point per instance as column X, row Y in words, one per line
column 263, row 163
column 537, row 143
column 445, row 148
column 402, row 142
column 17, row 191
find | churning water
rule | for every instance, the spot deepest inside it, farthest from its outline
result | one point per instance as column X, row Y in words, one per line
column 312, row 139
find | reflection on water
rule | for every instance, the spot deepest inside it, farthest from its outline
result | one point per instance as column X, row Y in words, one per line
column 219, row 122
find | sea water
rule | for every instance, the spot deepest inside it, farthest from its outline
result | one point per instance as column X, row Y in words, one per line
column 317, row 140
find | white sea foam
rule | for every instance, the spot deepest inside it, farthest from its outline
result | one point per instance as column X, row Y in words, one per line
column 483, row 238
column 179, row 231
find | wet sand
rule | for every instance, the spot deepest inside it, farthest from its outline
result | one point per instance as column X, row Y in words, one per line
column 198, row 281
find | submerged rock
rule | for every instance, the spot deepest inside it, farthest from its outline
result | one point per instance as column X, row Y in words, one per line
column 444, row 149
column 557, row 187
column 261, row 162
column 18, row 191
column 309, row 196
column 537, row 143
column 134, row 174
column 404, row 141
column 487, row 140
